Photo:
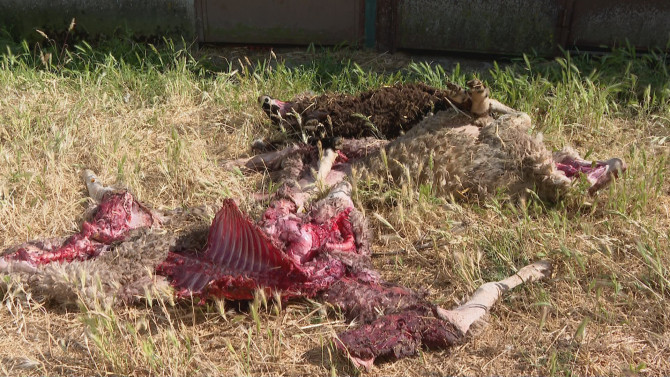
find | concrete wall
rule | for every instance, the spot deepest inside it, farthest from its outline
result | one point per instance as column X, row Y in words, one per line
column 145, row 18
column 607, row 22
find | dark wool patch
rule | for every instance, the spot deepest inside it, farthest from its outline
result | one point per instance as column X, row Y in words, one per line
column 384, row 112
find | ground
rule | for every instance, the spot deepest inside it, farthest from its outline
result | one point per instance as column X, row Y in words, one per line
column 162, row 121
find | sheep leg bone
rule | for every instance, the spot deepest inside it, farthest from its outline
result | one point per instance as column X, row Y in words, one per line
column 487, row 295
column 318, row 178
column 309, row 187
column 497, row 107
column 269, row 160
column 325, row 166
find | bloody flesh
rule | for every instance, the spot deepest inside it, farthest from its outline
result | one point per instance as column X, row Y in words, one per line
column 117, row 214
column 239, row 258
column 293, row 254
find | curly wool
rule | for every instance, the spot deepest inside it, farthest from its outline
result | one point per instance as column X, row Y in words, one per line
column 383, row 112
column 458, row 158
column 120, row 274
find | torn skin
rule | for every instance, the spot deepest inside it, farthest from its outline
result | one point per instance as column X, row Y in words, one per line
column 397, row 336
column 116, row 216
column 598, row 173
column 322, row 253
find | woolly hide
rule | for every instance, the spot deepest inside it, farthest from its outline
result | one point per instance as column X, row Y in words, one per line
column 384, row 112
column 458, row 158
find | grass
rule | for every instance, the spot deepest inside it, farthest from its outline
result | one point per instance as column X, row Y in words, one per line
column 161, row 119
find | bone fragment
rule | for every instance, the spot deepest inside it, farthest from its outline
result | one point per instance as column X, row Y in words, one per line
column 325, row 166
column 486, row 295
column 96, row 189
column 496, row 107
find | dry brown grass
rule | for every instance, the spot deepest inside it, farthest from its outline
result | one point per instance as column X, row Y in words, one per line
column 604, row 312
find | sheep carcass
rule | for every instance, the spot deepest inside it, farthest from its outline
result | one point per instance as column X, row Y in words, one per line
column 323, row 253
column 385, row 112
column 461, row 159
column 464, row 159
column 461, row 150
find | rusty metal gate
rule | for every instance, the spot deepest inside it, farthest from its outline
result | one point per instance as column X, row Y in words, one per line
column 295, row 22
column 481, row 26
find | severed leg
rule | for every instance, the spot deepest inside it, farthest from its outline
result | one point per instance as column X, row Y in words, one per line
column 409, row 322
column 487, row 295
column 482, row 104
column 117, row 214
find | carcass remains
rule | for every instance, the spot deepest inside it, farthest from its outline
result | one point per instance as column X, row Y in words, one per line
column 385, row 112
column 458, row 153
column 322, row 252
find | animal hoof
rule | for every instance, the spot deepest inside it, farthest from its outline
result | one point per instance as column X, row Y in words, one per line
column 543, row 269
column 614, row 168
column 476, row 85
